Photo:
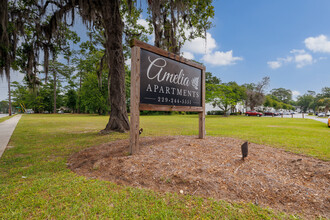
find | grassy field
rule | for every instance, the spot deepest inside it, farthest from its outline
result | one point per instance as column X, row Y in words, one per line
column 35, row 181
column 303, row 136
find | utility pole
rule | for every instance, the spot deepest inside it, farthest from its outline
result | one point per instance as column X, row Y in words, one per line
column 9, row 96
column 54, row 85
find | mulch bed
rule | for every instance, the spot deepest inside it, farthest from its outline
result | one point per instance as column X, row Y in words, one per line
column 213, row 167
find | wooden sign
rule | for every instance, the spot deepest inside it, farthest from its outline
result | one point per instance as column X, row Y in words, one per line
column 163, row 81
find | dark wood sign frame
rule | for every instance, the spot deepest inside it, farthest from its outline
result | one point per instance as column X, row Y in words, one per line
column 136, row 106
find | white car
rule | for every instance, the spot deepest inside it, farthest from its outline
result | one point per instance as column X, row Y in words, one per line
column 321, row 114
column 29, row 111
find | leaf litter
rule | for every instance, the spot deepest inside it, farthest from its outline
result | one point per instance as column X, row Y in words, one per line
column 212, row 167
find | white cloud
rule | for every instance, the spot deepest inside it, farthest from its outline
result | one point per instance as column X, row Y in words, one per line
column 302, row 58
column 198, row 45
column 295, row 51
column 318, row 44
column 143, row 22
column 219, row 58
column 274, row 64
column 206, row 47
column 188, row 55
column 279, row 62
column 286, row 60
column 295, row 94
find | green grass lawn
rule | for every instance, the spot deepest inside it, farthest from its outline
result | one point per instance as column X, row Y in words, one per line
column 35, row 181
column 303, row 136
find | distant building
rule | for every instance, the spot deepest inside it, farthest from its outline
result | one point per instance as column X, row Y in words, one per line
column 238, row 108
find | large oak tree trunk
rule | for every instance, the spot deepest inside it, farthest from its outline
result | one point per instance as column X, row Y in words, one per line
column 109, row 95
column 113, row 26
column 5, row 60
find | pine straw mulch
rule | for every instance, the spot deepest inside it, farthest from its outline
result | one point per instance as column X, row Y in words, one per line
column 213, row 168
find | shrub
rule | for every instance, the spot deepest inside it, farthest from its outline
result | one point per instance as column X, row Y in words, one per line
column 215, row 113
column 234, row 113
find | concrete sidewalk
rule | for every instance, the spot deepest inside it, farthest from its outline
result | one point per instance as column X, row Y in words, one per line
column 6, row 130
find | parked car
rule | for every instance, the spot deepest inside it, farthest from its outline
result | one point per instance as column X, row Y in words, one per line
column 29, row 111
column 321, row 114
column 253, row 113
column 269, row 113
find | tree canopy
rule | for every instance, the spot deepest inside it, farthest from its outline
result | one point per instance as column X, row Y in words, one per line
column 31, row 28
column 255, row 93
column 282, row 95
column 175, row 21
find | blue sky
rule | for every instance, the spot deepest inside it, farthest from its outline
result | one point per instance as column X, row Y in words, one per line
column 287, row 40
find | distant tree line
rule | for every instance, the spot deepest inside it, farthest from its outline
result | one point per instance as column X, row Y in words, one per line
column 4, row 106
column 227, row 95
column 86, row 91
column 316, row 102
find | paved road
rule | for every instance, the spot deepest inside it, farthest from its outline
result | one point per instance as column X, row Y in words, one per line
column 3, row 115
column 324, row 120
column 299, row 115
column 6, row 130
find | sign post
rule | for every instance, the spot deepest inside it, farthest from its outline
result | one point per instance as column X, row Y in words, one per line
column 163, row 81
column 135, row 100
